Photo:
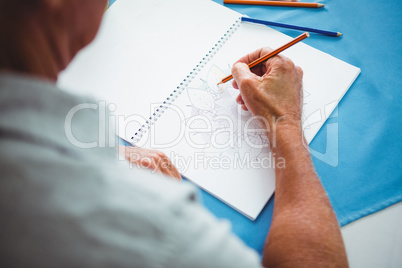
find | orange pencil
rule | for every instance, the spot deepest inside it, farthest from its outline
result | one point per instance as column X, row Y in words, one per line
column 270, row 55
column 273, row 3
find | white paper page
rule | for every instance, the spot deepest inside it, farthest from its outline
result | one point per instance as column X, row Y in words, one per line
column 204, row 131
column 143, row 51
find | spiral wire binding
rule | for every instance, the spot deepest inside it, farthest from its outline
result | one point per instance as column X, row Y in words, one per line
column 184, row 84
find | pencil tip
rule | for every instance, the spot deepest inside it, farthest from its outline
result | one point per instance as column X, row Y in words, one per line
column 339, row 34
column 220, row 83
column 320, row 5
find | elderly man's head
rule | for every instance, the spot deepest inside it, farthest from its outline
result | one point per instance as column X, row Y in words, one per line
column 41, row 37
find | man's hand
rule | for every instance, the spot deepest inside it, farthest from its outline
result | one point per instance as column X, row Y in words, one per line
column 304, row 230
column 272, row 90
column 150, row 159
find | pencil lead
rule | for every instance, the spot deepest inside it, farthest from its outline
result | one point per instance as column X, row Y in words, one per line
column 339, row 34
column 320, row 5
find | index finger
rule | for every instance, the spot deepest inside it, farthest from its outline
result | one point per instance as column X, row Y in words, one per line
column 259, row 69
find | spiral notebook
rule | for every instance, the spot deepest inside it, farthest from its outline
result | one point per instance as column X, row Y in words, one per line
column 158, row 63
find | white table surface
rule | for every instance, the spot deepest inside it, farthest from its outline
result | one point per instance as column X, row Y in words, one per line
column 375, row 240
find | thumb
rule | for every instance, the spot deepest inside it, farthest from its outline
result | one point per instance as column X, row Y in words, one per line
column 242, row 75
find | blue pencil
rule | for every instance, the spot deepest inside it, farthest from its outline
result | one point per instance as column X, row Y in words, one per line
column 291, row 26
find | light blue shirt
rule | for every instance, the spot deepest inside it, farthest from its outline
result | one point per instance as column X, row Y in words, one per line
column 65, row 206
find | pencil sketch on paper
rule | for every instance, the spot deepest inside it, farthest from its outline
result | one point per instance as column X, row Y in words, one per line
column 226, row 118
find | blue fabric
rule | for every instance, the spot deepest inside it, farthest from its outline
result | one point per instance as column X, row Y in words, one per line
column 360, row 165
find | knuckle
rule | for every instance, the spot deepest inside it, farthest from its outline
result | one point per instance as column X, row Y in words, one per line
column 155, row 157
column 288, row 64
column 161, row 155
column 284, row 64
column 299, row 70
column 145, row 163
column 246, row 82
column 165, row 165
column 158, row 157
